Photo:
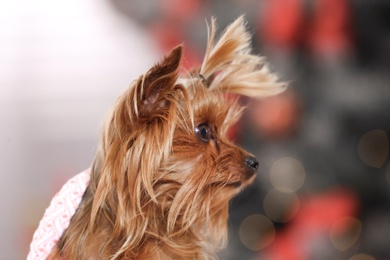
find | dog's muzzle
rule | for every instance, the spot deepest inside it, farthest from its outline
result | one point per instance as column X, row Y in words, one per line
column 252, row 163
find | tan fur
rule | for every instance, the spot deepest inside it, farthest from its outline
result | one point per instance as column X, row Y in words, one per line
column 157, row 191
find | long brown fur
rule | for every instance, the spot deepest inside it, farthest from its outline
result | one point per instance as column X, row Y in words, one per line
column 157, row 191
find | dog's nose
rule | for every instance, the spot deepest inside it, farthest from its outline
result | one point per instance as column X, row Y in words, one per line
column 252, row 163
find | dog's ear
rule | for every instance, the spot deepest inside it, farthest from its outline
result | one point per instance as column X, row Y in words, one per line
column 125, row 163
column 230, row 67
column 155, row 86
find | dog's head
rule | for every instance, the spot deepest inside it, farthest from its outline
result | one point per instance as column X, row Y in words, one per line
column 166, row 168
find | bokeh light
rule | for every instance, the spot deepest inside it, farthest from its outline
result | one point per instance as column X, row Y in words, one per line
column 256, row 232
column 281, row 206
column 388, row 173
column 287, row 174
column 362, row 257
column 344, row 232
column 373, row 148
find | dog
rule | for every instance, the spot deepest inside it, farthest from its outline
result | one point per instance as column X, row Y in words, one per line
column 165, row 170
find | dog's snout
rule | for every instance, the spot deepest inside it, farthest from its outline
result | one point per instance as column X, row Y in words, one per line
column 252, row 163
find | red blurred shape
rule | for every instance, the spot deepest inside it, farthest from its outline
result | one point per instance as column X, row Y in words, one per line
column 276, row 116
column 321, row 26
column 313, row 221
column 281, row 22
column 169, row 34
column 330, row 32
column 179, row 9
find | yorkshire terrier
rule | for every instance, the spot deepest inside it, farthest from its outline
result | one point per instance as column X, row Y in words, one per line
column 165, row 170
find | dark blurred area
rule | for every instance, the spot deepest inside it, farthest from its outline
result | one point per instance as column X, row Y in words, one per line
column 322, row 191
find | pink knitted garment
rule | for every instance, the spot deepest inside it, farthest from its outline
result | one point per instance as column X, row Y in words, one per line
column 57, row 216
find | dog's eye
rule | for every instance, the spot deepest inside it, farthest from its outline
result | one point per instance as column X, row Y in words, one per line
column 202, row 131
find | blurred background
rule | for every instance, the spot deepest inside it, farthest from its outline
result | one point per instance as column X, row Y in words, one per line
column 322, row 191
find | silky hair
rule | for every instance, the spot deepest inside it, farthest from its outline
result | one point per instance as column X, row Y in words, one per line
column 157, row 190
